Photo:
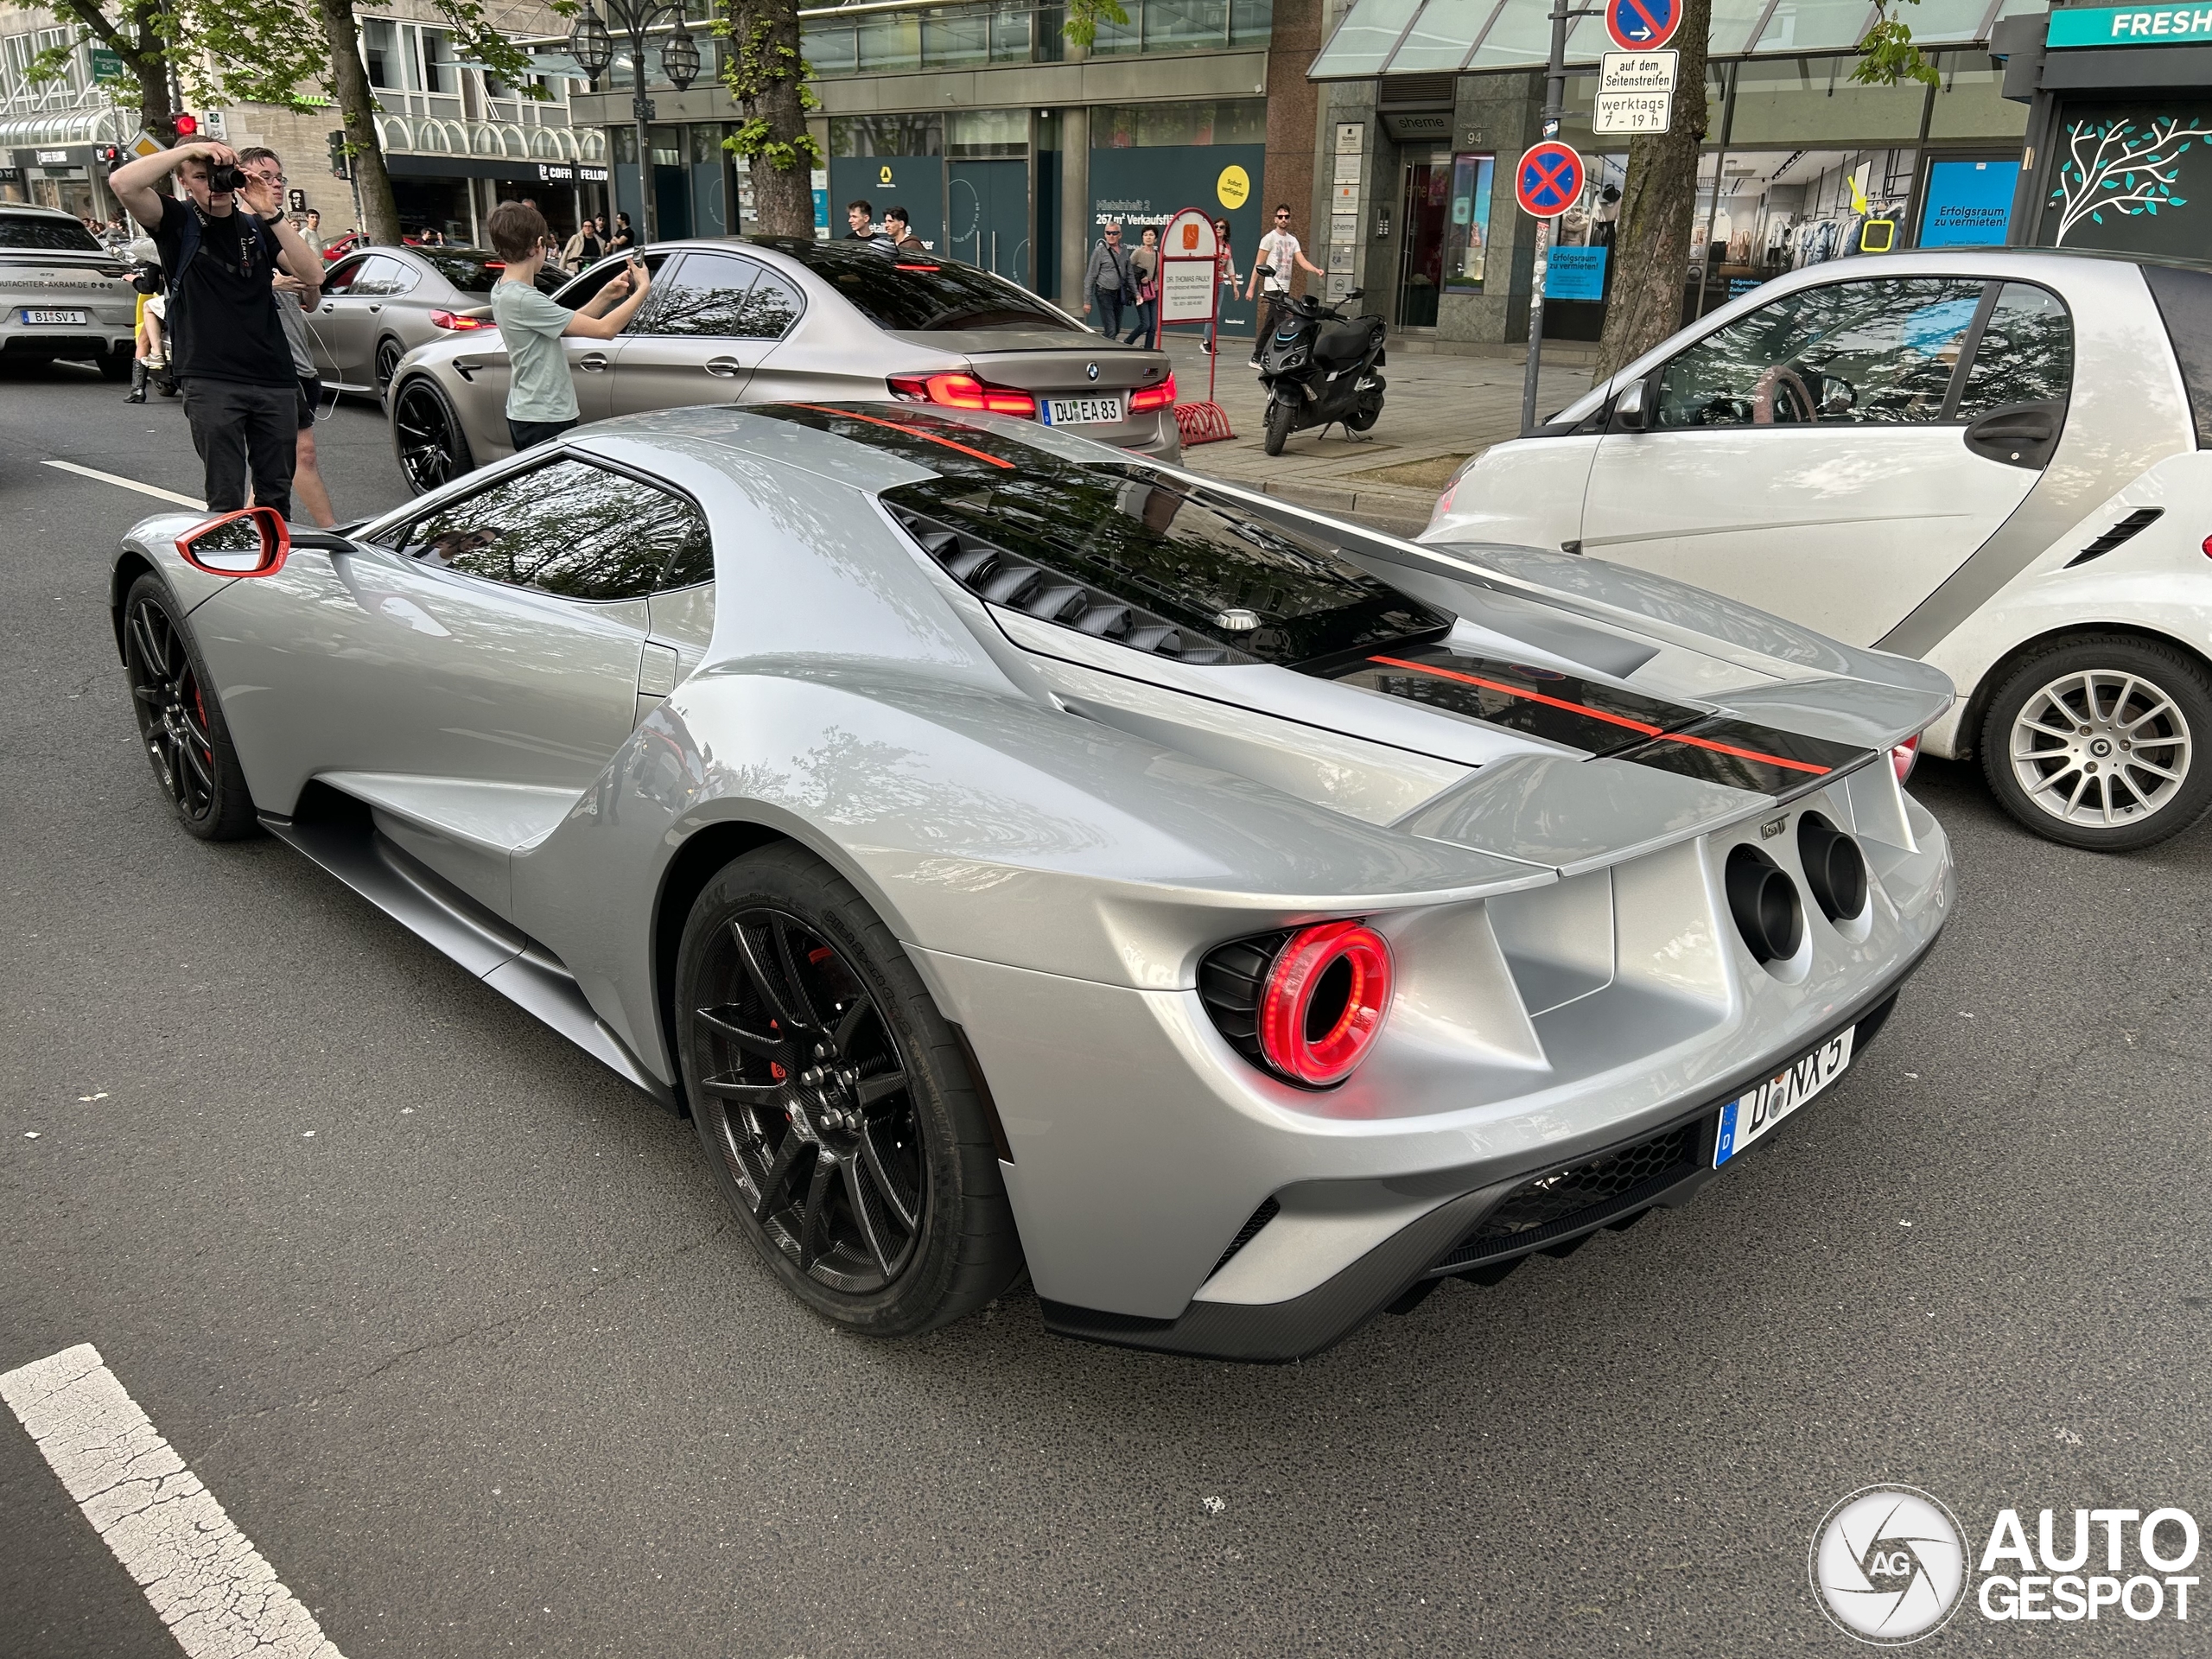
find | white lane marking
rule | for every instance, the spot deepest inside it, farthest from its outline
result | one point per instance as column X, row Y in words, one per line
column 219, row 1599
column 130, row 484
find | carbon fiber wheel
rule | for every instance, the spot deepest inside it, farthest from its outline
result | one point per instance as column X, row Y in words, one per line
column 179, row 720
column 834, row 1104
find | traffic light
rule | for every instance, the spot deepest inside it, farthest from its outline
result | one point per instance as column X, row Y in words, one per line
column 109, row 155
column 188, row 126
column 341, row 164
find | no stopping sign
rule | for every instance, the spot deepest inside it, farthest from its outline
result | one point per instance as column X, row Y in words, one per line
column 1548, row 179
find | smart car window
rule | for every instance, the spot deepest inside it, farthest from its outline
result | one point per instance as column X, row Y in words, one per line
column 703, row 294
column 2025, row 354
column 919, row 293
column 1879, row 352
column 2184, row 302
column 566, row 528
column 45, row 235
column 1191, row 558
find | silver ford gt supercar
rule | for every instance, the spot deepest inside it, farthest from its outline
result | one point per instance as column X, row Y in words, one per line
column 1009, row 851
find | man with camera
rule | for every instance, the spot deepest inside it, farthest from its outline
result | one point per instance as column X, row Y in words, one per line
column 220, row 244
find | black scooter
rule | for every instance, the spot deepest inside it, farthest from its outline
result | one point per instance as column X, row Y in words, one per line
column 1320, row 367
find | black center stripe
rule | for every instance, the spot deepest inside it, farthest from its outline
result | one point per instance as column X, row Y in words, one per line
column 1605, row 721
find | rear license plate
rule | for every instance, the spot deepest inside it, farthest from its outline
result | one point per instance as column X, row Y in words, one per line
column 1082, row 411
column 1756, row 1111
column 35, row 317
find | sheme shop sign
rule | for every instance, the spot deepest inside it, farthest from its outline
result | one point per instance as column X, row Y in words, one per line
column 2129, row 25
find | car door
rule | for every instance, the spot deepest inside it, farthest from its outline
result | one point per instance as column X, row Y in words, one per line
column 700, row 336
column 1835, row 456
column 338, row 328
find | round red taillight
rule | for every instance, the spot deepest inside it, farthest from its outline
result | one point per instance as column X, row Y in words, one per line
column 1325, row 1001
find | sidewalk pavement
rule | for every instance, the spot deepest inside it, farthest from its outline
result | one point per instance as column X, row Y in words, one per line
column 1439, row 411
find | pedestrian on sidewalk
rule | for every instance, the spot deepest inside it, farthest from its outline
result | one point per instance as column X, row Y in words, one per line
column 1224, row 270
column 1278, row 251
column 541, row 396
column 1107, row 279
column 583, row 249
column 220, row 250
column 901, row 229
column 1145, row 262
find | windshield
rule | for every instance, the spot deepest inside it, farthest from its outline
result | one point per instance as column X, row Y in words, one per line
column 1193, row 559
column 919, row 293
column 45, row 235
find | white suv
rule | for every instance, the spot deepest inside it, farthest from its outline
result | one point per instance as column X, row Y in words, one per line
column 61, row 294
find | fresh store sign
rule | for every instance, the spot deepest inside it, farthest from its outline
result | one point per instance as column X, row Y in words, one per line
column 2130, row 26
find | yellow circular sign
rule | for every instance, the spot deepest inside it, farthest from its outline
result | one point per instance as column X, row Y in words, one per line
column 1234, row 186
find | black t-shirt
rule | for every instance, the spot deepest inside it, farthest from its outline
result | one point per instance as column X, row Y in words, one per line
column 222, row 313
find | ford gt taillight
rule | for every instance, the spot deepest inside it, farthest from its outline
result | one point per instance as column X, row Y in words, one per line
column 455, row 321
column 1324, row 1003
column 962, row 391
column 1904, row 755
column 1160, row 397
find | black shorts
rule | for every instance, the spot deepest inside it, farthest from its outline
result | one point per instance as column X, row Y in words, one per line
column 310, row 399
column 527, row 433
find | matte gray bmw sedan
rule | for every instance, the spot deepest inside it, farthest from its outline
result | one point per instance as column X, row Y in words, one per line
column 761, row 320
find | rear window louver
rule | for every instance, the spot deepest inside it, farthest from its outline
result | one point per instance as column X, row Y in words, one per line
column 999, row 577
column 2141, row 518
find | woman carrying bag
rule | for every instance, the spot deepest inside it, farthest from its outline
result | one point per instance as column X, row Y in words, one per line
column 1145, row 263
column 1224, row 271
column 583, row 250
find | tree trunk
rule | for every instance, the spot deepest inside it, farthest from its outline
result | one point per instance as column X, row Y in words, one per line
column 133, row 40
column 357, row 107
column 764, row 41
column 1651, row 242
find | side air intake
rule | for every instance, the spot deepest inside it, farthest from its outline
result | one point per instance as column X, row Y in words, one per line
column 2141, row 520
column 999, row 577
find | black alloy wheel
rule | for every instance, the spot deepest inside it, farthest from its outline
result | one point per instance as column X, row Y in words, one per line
column 427, row 434
column 179, row 720
column 834, row 1104
column 388, row 356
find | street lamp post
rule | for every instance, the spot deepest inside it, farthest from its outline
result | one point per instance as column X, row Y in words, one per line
column 593, row 46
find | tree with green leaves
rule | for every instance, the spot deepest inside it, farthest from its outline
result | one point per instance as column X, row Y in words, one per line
column 251, row 51
column 475, row 40
column 768, row 79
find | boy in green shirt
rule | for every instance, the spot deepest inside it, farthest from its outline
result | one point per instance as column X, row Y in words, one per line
column 541, row 397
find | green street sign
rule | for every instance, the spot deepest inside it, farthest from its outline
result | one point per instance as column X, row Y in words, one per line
column 106, row 65
column 2130, row 26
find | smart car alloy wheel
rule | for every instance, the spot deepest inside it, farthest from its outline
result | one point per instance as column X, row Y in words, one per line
column 2099, row 743
column 428, row 437
column 827, row 1112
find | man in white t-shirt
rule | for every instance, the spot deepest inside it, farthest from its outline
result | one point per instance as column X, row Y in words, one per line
column 1279, row 250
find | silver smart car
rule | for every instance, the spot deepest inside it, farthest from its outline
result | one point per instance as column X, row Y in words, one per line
column 1006, row 849
column 763, row 319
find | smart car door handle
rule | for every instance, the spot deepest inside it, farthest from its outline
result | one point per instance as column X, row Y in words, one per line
column 724, row 366
column 593, row 360
column 376, row 307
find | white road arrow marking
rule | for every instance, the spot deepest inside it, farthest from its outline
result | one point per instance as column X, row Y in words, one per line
column 219, row 1599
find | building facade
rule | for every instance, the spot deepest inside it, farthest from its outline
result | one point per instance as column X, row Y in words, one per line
column 1008, row 146
column 456, row 139
column 1432, row 103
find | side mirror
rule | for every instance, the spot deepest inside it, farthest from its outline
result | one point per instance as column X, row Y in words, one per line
column 1627, row 407
column 1266, row 271
column 1838, row 396
column 1356, row 293
column 252, row 541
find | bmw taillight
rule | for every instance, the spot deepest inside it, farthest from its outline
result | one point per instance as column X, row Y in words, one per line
column 962, row 391
column 1323, row 1005
column 456, row 321
column 1903, row 756
column 1160, row 397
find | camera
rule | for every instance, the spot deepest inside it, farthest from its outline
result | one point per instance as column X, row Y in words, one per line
column 224, row 179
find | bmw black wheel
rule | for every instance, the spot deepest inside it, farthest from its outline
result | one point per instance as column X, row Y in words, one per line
column 179, row 720
column 427, row 436
column 834, row 1105
column 388, row 356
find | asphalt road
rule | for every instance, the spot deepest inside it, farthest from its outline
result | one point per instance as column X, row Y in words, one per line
column 452, row 1324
